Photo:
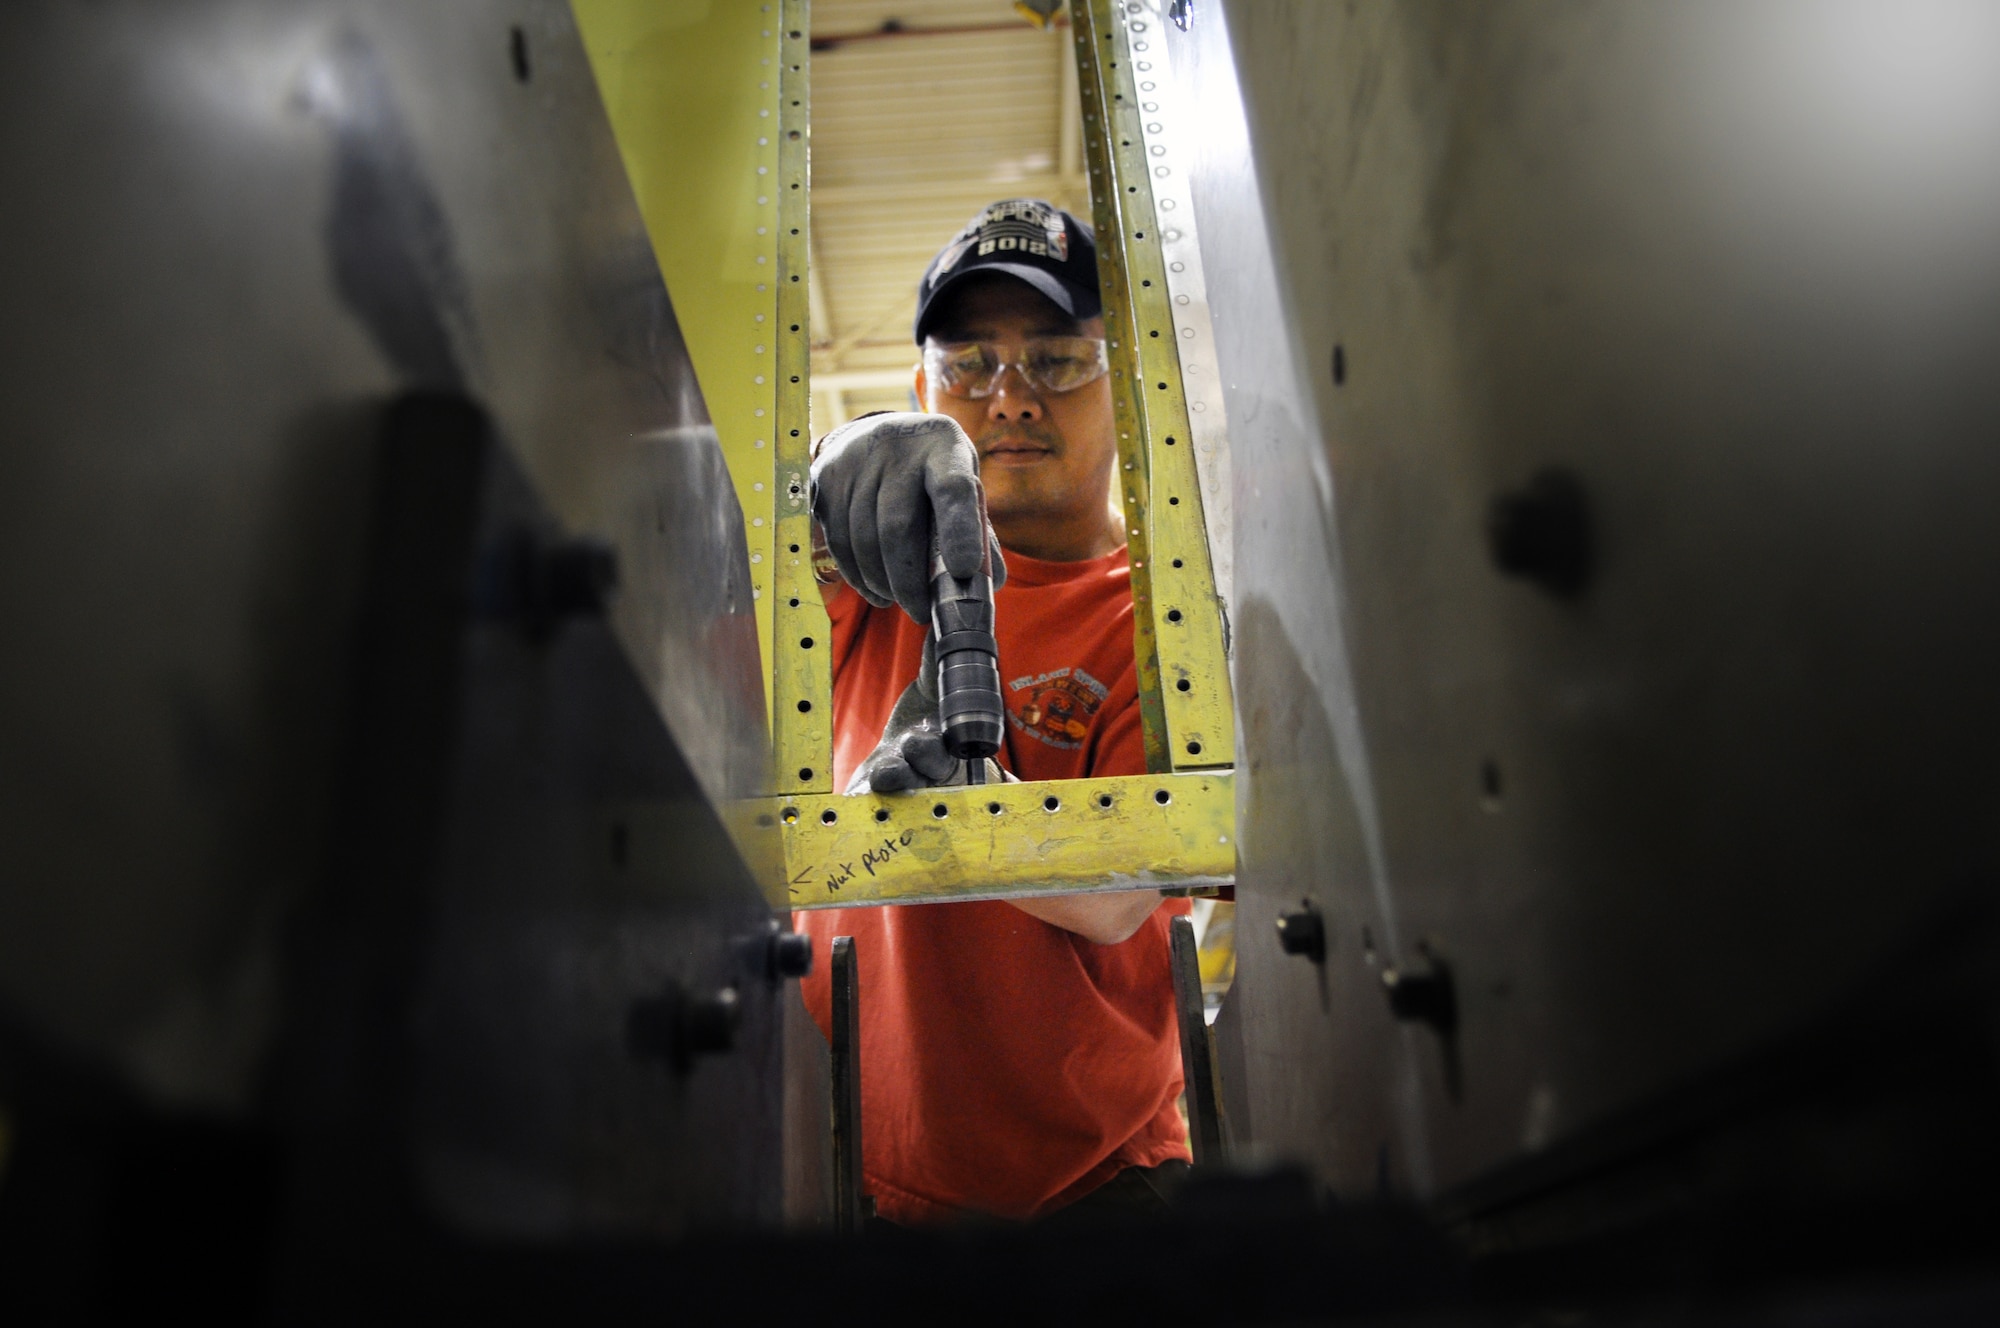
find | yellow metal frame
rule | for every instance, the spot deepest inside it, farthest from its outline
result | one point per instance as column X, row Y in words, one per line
column 1183, row 665
column 801, row 672
column 1069, row 836
column 681, row 77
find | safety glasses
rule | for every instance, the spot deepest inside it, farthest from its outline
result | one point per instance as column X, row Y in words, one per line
column 972, row 369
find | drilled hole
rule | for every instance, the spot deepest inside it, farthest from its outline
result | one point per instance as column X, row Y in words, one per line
column 1052, row 803
column 790, row 816
column 1173, row 615
column 793, row 602
column 829, row 816
column 993, row 808
column 940, row 811
column 1183, row 686
column 805, row 643
column 881, row 815
column 805, row 707
column 1170, row 442
column 1162, row 797
column 1177, row 563
column 1104, row 801
column 805, row 775
column 1173, row 501
column 1194, row 749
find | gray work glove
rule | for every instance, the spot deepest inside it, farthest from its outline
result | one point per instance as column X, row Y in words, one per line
column 878, row 484
column 911, row 754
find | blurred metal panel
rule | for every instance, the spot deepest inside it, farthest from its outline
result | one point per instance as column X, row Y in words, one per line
column 251, row 228
column 694, row 94
column 1612, row 412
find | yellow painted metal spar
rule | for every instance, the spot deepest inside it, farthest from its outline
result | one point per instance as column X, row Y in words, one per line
column 692, row 89
column 710, row 104
column 996, row 841
column 1183, row 658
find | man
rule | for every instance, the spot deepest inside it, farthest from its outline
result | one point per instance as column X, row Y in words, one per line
column 1016, row 1056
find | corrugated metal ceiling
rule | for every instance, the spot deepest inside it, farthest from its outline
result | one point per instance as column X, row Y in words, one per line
column 913, row 131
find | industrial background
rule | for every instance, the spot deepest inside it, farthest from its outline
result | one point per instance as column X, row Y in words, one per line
column 1601, row 413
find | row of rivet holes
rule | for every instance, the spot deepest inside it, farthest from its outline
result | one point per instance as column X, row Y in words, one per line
column 763, row 200
column 1105, row 802
column 1173, row 615
column 805, row 643
column 1166, row 204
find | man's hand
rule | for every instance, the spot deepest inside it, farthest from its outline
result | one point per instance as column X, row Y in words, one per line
column 911, row 754
column 879, row 486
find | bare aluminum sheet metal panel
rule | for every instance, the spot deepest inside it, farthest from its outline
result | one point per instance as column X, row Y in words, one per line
column 1612, row 412
column 242, row 230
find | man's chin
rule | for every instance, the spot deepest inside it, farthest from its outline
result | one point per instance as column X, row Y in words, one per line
column 1013, row 495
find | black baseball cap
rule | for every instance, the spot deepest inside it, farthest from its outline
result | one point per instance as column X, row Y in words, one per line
column 1025, row 238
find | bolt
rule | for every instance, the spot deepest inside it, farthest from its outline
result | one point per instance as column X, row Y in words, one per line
column 1425, row 998
column 538, row 584
column 1428, row 998
column 711, row 1021
column 1542, row 533
column 675, row 1026
column 580, row 575
column 1303, row 932
column 791, row 954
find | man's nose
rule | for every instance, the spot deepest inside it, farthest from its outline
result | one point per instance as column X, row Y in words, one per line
column 1013, row 399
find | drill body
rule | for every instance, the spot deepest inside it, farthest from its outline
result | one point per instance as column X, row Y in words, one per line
column 968, row 663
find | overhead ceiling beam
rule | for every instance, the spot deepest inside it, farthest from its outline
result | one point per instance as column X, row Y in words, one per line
column 974, row 189
column 893, row 29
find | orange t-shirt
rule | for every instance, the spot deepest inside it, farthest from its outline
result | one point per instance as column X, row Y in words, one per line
column 1008, row 1067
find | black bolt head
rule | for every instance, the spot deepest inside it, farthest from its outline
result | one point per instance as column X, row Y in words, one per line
column 1542, row 534
column 676, row 1026
column 580, row 576
column 1303, row 933
column 711, row 1022
column 791, row 954
column 1425, row 998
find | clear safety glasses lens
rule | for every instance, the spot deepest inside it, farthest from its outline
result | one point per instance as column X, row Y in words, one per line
column 972, row 369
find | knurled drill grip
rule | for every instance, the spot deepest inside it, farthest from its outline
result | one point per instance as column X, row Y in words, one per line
column 968, row 662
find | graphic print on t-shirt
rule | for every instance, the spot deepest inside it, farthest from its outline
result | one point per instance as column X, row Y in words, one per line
column 1055, row 707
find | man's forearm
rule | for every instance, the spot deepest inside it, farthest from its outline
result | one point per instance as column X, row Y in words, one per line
column 1106, row 919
